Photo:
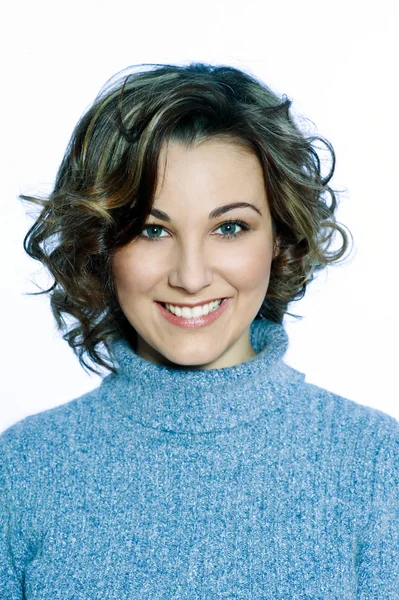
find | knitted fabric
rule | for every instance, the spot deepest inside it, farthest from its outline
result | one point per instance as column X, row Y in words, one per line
column 244, row 482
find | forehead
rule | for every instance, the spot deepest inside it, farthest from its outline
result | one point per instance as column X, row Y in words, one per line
column 210, row 172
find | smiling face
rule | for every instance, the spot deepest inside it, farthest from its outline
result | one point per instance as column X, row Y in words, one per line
column 188, row 255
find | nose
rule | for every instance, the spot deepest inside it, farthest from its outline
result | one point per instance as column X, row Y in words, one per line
column 191, row 269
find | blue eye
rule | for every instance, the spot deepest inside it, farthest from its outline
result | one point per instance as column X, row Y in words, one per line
column 153, row 232
column 229, row 228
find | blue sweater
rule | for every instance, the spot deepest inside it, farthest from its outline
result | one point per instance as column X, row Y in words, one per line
column 166, row 483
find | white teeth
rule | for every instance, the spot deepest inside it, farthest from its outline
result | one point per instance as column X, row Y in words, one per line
column 197, row 311
column 187, row 313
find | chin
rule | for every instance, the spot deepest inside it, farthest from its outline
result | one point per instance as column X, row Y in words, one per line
column 197, row 360
column 187, row 357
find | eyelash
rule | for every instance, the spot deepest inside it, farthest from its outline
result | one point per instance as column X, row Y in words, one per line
column 244, row 229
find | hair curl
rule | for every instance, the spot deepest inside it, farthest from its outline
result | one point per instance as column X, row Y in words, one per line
column 105, row 188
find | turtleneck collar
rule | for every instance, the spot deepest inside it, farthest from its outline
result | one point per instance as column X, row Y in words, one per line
column 197, row 401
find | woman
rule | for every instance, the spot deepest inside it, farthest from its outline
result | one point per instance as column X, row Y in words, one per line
column 188, row 212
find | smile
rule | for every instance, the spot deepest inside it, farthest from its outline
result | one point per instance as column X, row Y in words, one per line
column 196, row 311
column 197, row 316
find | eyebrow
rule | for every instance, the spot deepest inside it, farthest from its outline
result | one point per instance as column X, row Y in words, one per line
column 217, row 212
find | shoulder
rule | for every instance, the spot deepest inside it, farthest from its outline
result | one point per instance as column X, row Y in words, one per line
column 316, row 400
column 340, row 420
column 52, row 430
column 349, row 414
column 365, row 438
column 356, row 446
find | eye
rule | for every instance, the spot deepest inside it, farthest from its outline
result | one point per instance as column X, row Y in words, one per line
column 153, row 232
column 229, row 229
column 232, row 229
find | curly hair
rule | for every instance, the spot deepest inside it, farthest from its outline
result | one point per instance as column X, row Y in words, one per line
column 105, row 187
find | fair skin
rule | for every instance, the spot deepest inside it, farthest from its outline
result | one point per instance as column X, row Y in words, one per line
column 193, row 260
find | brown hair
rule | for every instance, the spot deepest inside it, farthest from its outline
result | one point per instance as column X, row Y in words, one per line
column 106, row 183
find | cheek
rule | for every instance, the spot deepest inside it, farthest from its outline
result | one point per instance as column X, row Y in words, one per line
column 134, row 273
column 249, row 267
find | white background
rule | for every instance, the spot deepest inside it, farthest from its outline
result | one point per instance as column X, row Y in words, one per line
column 337, row 61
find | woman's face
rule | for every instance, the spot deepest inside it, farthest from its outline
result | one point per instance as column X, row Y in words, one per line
column 188, row 254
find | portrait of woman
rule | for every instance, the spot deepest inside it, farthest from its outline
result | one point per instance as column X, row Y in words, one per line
column 188, row 213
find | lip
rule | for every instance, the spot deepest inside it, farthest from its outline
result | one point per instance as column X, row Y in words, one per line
column 190, row 305
column 194, row 322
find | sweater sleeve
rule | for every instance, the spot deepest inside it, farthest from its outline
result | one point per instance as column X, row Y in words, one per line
column 10, row 583
column 378, row 547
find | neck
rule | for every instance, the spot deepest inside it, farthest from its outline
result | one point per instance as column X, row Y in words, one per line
column 198, row 400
